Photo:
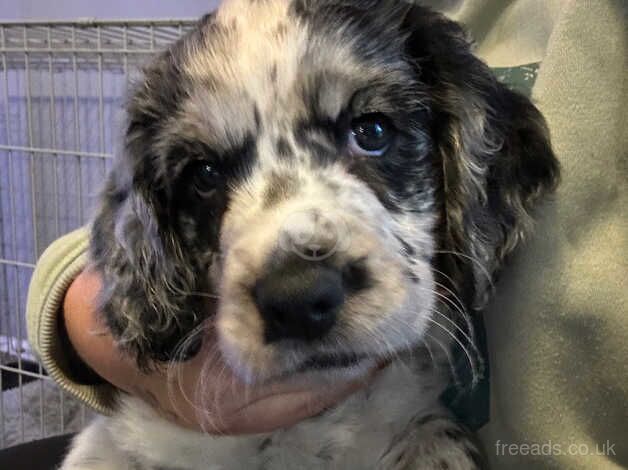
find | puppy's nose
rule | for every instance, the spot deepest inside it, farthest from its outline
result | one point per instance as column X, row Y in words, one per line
column 299, row 300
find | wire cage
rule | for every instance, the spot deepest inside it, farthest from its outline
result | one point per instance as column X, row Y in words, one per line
column 62, row 85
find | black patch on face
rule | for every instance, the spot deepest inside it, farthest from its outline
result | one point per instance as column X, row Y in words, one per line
column 404, row 174
column 231, row 166
column 238, row 161
column 320, row 138
column 364, row 171
column 407, row 166
column 356, row 276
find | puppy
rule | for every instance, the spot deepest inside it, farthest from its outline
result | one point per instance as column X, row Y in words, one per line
column 341, row 181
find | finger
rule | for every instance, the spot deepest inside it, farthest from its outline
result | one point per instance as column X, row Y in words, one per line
column 288, row 408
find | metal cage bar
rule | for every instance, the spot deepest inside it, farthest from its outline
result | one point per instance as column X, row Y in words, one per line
column 63, row 83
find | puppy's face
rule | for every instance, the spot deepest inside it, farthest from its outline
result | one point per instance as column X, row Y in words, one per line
column 315, row 166
column 304, row 163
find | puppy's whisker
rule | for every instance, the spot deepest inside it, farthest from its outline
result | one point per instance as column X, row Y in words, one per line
column 462, row 332
column 451, row 292
column 446, row 276
column 198, row 405
column 465, row 315
column 454, row 373
column 174, row 369
column 476, row 370
column 479, row 361
column 187, row 293
column 429, row 352
column 216, row 396
column 472, row 363
column 207, row 394
column 181, row 388
column 477, row 262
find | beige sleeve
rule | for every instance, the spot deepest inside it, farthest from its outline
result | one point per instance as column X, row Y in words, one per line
column 57, row 267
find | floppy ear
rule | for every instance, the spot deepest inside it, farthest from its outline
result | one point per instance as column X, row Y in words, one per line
column 493, row 145
column 146, row 276
column 151, row 298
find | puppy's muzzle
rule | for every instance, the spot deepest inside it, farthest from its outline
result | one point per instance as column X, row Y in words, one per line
column 308, row 275
column 299, row 299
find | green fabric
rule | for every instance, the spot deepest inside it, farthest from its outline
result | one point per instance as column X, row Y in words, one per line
column 520, row 78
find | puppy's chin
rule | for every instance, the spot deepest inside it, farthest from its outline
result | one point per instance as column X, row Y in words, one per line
column 303, row 368
column 308, row 369
column 254, row 362
column 331, row 374
column 345, row 354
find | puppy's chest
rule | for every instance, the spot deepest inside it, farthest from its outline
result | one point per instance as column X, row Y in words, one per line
column 354, row 435
column 339, row 441
column 358, row 433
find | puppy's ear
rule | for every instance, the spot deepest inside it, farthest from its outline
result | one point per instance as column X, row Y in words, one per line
column 146, row 278
column 493, row 146
column 151, row 297
column 147, row 299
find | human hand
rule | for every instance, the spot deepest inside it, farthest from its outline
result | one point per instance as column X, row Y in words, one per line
column 234, row 408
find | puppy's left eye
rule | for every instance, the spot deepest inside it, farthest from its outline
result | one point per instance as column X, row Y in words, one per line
column 205, row 178
column 371, row 134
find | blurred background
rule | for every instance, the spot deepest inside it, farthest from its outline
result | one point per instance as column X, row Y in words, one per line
column 65, row 69
column 111, row 9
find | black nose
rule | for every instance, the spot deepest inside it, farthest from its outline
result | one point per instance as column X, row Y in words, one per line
column 299, row 300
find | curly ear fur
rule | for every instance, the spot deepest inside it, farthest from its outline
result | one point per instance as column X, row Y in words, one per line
column 147, row 277
column 494, row 147
column 148, row 300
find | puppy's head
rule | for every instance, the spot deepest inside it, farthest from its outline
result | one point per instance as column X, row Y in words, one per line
column 300, row 172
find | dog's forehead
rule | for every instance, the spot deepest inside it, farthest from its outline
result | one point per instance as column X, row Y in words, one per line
column 254, row 42
column 261, row 60
column 242, row 40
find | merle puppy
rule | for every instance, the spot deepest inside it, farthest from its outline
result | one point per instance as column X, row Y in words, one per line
column 342, row 180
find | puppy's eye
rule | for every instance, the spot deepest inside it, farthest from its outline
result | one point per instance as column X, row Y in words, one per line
column 371, row 134
column 204, row 178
